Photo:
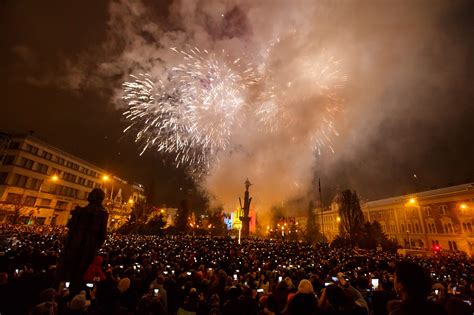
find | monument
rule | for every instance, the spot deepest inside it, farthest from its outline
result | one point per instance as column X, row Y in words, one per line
column 245, row 218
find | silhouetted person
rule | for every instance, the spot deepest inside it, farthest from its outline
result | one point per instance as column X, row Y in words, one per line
column 413, row 285
column 87, row 232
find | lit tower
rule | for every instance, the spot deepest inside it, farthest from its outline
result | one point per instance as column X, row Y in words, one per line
column 246, row 210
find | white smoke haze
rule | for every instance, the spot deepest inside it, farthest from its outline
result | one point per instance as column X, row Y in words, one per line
column 374, row 43
column 383, row 47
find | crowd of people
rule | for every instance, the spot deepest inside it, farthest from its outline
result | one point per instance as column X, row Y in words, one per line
column 133, row 274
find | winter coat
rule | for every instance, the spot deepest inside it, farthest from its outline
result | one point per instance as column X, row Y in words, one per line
column 87, row 232
column 94, row 270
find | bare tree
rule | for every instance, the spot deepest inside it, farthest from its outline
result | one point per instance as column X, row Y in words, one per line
column 18, row 203
column 352, row 218
column 311, row 232
column 181, row 221
column 141, row 211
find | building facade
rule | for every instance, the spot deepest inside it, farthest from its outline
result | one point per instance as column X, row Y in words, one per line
column 443, row 217
column 41, row 184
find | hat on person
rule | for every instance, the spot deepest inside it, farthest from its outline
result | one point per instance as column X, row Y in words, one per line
column 123, row 285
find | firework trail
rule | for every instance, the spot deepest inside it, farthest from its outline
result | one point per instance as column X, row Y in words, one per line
column 193, row 114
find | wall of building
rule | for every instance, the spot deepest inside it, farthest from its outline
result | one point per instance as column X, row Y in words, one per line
column 443, row 216
column 44, row 183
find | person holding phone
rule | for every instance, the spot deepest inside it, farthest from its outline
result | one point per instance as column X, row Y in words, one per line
column 357, row 297
column 381, row 296
column 264, row 284
column 338, row 300
column 157, row 284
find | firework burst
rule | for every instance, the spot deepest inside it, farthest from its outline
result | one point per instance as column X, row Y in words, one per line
column 301, row 93
column 193, row 114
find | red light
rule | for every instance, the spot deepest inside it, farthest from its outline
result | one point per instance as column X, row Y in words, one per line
column 436, row 248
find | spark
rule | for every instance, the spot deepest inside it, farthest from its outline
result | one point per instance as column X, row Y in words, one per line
column 307, row 96
column 192, row 114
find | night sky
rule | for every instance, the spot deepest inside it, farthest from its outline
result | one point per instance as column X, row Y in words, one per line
column 420, row 121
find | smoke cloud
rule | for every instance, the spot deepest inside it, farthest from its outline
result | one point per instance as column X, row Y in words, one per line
column 398, row 57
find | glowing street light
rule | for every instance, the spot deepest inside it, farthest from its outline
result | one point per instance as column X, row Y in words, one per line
column 463, row 206
column 338, row 219
column 105, row 178
column 53, row 178
column 412, row 202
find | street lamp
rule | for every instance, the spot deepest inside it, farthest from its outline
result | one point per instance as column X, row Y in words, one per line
column 104, row 179
column 53, row 178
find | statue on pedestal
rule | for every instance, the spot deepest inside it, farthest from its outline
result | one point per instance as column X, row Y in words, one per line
column 245, row 218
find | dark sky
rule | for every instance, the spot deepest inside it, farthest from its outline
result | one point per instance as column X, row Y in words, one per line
column 44, row 41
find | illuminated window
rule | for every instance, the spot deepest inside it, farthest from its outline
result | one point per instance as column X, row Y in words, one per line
column 427, row 211
column 62, row 205
column 13, row 198
column 45, row 202
column 42, row 168
column 26, row 163
column 30, row 201
column 20, row 180
column 443, row 209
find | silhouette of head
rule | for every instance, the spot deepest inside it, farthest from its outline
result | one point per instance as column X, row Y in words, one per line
column 412, row 280
column 96, row 196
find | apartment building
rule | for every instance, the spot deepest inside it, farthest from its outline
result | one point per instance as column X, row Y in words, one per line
column 41, row 184
column 443, row 217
